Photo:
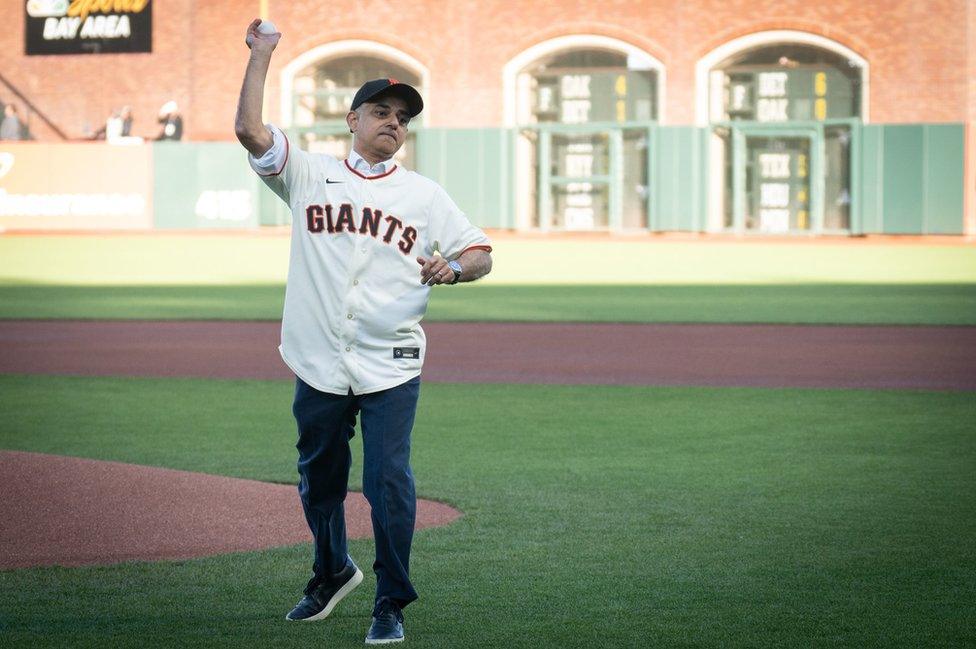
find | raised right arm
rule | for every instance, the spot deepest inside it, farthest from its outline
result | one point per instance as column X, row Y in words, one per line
column 248, row 125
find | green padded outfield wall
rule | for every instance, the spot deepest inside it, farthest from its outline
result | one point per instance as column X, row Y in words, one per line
column 912, row 179
column 679, row 186
column 476, row 167
column 909, row 180
column 944, row 181
column 204, row 185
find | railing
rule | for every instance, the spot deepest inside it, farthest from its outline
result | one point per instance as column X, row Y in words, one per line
column 612, row 179
column 815, row 130
column 32, row 108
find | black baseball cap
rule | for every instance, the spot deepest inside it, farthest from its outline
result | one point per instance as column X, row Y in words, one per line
column 372, row 90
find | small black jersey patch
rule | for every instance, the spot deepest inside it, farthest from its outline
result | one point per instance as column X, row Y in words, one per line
column 406, row 352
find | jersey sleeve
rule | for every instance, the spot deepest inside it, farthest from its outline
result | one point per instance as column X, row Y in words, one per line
column 451, row 231
column 283, row 168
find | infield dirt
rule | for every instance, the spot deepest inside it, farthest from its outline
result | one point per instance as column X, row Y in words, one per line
column 71, row 511
column 885, row 357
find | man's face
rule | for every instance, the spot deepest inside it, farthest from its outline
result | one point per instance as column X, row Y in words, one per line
column 380, row 127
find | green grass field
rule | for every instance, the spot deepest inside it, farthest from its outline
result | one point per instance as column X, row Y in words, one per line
column 222, row 259
column 933, row 304
column 640, row 280
column 594, row 516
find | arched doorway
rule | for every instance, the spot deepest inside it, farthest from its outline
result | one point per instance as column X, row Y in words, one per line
column 318, row 87
column 584, row 107
column 784, row 110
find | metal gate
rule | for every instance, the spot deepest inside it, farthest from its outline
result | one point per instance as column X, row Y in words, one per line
column 792, row 178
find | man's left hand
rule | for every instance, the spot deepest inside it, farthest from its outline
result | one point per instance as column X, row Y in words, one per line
column 435, row 271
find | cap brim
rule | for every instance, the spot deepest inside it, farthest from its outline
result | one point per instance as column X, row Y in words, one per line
column 415, row 103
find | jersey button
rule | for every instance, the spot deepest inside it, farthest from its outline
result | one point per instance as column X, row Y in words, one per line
column 348, row 349
column 349, row 315
column 355, row 282
column 364, row 249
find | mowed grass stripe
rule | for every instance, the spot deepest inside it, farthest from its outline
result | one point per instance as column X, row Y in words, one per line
column 215, row 258
column 594, row 516
column 900, row 304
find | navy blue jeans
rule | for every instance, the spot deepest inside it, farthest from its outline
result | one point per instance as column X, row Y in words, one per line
column 326, row 423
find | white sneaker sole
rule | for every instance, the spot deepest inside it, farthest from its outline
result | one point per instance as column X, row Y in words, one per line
column 342, row 592
column 389, row 641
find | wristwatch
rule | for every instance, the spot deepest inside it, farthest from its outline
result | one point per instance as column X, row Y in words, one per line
column 456, row 267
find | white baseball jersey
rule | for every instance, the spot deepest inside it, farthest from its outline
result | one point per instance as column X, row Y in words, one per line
column 354, row 300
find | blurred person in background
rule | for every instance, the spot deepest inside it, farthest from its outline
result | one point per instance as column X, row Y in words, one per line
column 114, row 126
column 125, row 114
column 11, row 128
column 118, row 128
column 172, row 121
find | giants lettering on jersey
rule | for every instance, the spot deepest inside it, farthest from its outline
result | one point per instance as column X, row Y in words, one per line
column 323, row 218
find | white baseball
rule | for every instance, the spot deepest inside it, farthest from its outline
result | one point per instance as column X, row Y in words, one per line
column 267, row 27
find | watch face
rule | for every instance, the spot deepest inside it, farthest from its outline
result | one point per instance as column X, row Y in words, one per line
column 456, row 267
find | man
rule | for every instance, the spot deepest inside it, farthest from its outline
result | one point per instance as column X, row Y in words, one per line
column 11, row 127
column 369, row 240
column 172, row 122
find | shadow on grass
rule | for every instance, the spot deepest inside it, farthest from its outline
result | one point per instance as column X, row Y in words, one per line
column 179, row 302
column 946, row 304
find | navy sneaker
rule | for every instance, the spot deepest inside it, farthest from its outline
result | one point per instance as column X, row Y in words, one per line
column 322, row 595
column 387, row 626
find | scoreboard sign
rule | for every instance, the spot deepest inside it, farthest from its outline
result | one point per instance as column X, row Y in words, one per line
column 583, row 96
column 776, row 95
column 88, row 26
column 781, row 183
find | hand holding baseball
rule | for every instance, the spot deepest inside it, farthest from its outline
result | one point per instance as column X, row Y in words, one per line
column 262, row 34
column 435, row 271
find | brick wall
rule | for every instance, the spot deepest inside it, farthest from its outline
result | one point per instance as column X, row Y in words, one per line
column 969, row 218
column 971, row 51
column 79, row 90
column 921, row 61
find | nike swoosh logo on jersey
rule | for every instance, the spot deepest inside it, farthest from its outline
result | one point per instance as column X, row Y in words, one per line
column 329, row 181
